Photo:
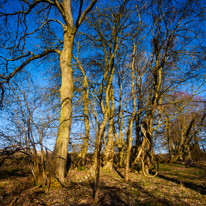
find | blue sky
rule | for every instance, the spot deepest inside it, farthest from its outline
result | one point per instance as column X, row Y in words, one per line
column 40, row 69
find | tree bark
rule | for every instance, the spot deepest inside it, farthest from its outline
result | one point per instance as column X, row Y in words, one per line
column 66, row 90
column 109, row 150
column 84, row 148
column 129, row 131
column 66, row 93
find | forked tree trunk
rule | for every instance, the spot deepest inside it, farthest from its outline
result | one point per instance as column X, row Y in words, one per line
column 178, row 153
column 176, row 156
column 66, row 90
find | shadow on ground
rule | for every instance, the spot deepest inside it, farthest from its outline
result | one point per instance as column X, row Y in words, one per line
column 195, row 187
column 13, row 173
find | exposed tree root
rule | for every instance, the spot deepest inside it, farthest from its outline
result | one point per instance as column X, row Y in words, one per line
column 62, row 183
column 143, row 170
column 31, row 197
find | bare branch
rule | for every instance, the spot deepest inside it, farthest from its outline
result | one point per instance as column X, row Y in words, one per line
column 32, row 58
column 31, row 6
column 85, row 12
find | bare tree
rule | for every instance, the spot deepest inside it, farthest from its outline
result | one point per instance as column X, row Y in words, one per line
column 39, row 19
column 28, row 126
column 184, row 128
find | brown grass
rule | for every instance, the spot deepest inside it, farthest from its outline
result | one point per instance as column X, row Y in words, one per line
column 175, row 185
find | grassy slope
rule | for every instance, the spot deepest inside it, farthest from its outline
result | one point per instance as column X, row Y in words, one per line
column 175, row 185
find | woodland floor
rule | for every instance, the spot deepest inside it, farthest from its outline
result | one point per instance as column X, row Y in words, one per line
column 175, row 185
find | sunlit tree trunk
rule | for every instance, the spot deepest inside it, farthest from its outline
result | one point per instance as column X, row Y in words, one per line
column 179, row 151
column 119, row 139
column 66, row 94
column 83, row 152
column 66, row 90
column 109, row 149
column 129, row 131
column 85, row 97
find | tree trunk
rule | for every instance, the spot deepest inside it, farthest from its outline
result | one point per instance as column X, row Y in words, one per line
column 109, row 150
column 175, row 157
column 97, row 143
column 38, row 171
column 137, row 127
column 84, row 148
column 187, row 153
column 129, row 131
column 121, row 156
column 97, row 180
column 178, row 152
column 66, row 93
column 128, row 151
column 184, row 141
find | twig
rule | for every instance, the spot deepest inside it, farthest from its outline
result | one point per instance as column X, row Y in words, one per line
column 13, row 201
column 57, row 202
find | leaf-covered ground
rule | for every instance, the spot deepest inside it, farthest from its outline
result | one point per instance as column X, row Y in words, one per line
column 175, row 185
